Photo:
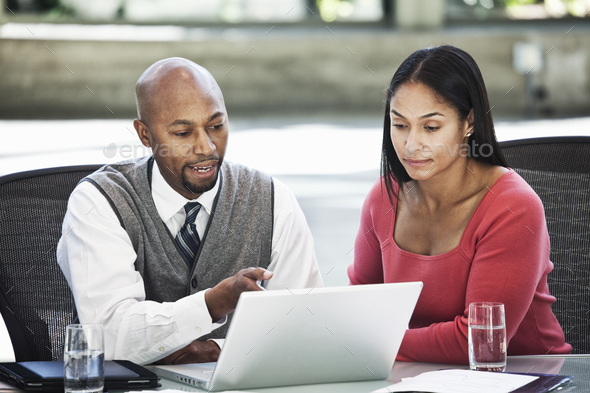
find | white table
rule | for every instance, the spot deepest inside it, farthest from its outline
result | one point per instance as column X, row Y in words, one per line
column 575, row 365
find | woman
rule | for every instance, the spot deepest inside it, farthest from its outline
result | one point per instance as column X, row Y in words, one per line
column 448, row 212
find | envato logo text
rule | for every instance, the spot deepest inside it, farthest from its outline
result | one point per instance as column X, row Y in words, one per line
column 472, row 149
column 135, row 151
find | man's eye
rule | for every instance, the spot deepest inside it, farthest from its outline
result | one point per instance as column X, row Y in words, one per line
column 181, row 134
column 218, row 126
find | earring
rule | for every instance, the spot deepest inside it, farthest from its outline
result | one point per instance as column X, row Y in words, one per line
column 470, row 132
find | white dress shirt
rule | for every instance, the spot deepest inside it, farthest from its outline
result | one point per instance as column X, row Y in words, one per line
column 6, row 349
column 97, row 258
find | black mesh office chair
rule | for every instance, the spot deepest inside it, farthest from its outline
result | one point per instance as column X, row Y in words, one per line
column 558, row 169
column 32, row 207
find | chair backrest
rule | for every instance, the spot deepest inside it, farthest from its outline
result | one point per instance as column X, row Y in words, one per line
column 558, row 169
column 32, row 208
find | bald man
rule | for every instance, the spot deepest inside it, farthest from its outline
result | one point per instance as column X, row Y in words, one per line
column 158, row 249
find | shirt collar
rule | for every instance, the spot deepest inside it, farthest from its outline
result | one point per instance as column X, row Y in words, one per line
column 168, row 202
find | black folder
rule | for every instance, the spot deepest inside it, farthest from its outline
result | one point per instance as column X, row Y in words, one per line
column 49, row 376
column 545, row 383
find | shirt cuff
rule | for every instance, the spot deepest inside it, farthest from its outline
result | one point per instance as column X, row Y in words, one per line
column 192, row 316
column 218, row 341
column 188, row 321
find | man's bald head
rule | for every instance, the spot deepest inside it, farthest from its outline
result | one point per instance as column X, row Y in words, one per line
column 168, row 78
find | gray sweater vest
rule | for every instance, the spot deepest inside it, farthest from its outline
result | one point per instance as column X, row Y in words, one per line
column 238, row 235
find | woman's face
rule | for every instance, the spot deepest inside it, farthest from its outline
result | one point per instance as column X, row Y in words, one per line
column 426, row 132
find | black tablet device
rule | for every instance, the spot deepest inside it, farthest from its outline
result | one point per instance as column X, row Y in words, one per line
column 49, row 376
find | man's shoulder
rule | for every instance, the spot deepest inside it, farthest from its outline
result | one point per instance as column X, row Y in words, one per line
column 241, row 169
column 241, row 184
column 242, row 174
column 123, row 167
column 117, row 171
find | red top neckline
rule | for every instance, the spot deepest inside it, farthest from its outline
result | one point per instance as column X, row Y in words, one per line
column 457, row 248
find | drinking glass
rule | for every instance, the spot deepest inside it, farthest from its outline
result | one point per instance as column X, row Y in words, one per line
column 487, row 337
column 84, row 359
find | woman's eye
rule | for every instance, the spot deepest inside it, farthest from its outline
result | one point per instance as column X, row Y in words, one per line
column 432, row 128
column 399, row 126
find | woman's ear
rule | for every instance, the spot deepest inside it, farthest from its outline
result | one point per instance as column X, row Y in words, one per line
column 469, row 124
column 470, row 119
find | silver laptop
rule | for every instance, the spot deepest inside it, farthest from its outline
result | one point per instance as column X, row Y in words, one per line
column 307, row 336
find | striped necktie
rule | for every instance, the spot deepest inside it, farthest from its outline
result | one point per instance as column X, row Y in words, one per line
column 187, row 238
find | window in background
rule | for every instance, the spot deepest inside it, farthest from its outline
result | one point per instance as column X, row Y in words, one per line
column 199, row 12
column 469, row 10
column 202, row 11
column 350, row 10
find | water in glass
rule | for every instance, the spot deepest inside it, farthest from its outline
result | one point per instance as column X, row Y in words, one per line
column 83, row 371
column 487, row 351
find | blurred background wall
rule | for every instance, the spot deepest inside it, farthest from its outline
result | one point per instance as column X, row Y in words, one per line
column 80, row 58
column 303, row 82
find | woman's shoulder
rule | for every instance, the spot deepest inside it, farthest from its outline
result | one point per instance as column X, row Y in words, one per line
column 380, row 195
column 510, row 200
column 511, row 187
column 510, row 210
column 379, row 203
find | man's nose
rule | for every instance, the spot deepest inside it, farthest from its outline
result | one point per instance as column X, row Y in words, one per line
column 202, row 144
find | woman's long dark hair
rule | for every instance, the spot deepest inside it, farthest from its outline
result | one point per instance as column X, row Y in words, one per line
column 455, row 77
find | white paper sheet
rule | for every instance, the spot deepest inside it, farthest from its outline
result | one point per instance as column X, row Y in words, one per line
column 460, row 381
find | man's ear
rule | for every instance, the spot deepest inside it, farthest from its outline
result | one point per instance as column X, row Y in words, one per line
column 143, row 132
